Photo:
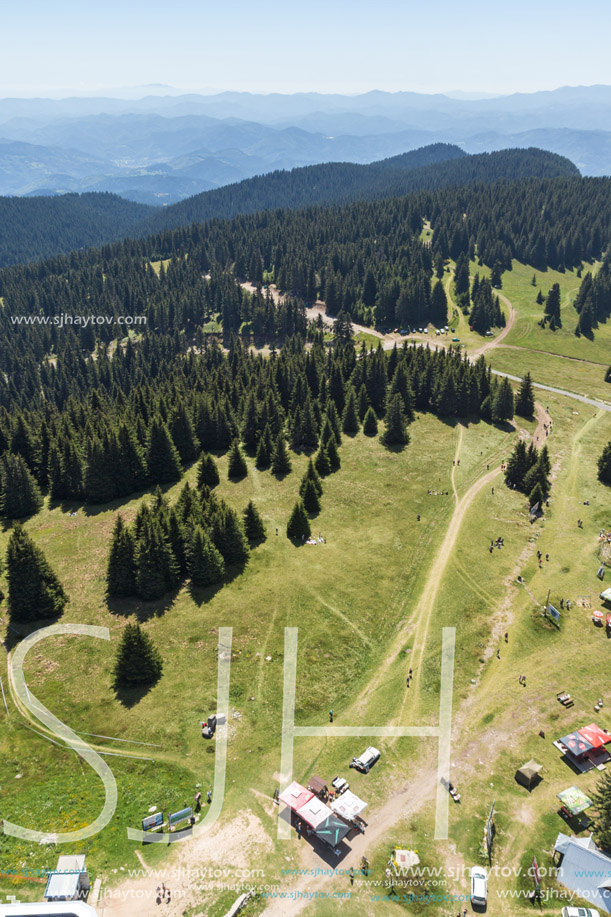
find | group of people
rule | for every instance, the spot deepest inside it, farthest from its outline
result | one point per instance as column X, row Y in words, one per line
column 499, row 543
column 408, row 679
column 163, row 894
column 438, row 493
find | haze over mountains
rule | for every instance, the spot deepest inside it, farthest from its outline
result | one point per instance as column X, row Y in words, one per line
column 160, row 149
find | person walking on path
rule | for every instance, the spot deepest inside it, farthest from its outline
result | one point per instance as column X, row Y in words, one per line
column 330, row 716
column 506, row 638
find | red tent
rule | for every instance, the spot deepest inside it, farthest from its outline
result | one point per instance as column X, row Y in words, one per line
column 295, row 796
column 596, row 736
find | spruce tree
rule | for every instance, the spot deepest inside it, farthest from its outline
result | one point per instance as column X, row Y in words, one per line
column 205, row 563
column 129, row 466
column 19, row 493
column 264, row 449
column 536, row 495
column 237, row 468
column 517, row 465
column 298, row 526
column 183, row 434
column 601, row 799
column 370, row 423
column 98, row 479
column 322, row 463
column 310, row 475
column 537, row 476
column 229, row 536
column 363, row 404
column 253, row 524
column 604, row 465
column 138, row 661
column 207, row 472
column 502, row 402
column 156, row 567
column 333, row 454
column 310, row 499
column 281, row 463
column 162, row 458
column 121, row 567
column 395, row 433
column 525, row 399
column 350, row 419
column 34, row 590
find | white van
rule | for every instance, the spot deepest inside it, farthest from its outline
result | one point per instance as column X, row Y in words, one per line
column 366, row 760
column 479, row 886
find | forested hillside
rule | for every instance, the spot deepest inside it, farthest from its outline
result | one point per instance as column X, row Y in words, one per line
column 32, row 228
column 35, row 228
column 431, row 167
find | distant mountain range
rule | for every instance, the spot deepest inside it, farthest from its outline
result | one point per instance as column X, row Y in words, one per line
column 160, row 149
column 37, row 227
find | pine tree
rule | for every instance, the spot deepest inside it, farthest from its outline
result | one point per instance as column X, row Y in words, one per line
column 98, row 479
column 253, row 524
column 370, row 423
column 237, row 464
column 156, row 566
column 537, row 476
column 395, row 433
column 33, row 588
column 525, row 399
column 604, row 465
column 205, row 563
column 121, row 568
column 552, row 306
column 322, row 463
column 310, row 499
column 138, row 661
column 162, row 458
column 350, row 420
column 264, row 449
column 281, row 463
column 129, row 464
column 333, row 454
column 537, row 495
column 517, row 465
column 310, row 475
column 229, row 536
column 362, row 406
column 207, row 472
column 502, row 402
column 19, row 493
column 298, row 525
column 183, row 434
column 601, row 799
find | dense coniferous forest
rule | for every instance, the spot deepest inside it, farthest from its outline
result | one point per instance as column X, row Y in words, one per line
column 32, row 228
column 35, row 228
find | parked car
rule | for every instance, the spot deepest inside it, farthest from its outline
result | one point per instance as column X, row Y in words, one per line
column 437, row 332
column 426, row 330
column 479, row 886
column 579, row 912
column 453, row 330
column 489, row 334
column 366, row 760
column 456, row 340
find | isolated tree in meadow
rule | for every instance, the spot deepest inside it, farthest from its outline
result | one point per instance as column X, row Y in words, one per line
column 19, row 493
column 350, row 419
column 205, row 563
column 237, row 467
column 281, row 463
column 502, row 402
column 121, row 567
column 540, row 298
column 162, row 458
column 207, row 472
column 253, row 524
column 552, row 306
column 138, row 661
column 604, row 465
column 298, row 525
column 34, row 591
column 395, row 421
column 370, row 423
column 525, row 399
column 517, row 465
column 310, row 499
column 601, row 799
column 310, row 475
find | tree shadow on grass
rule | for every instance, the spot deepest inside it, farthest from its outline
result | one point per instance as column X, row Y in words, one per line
column 142, row 609
column 16, row 631
column 130, row 695
column 201, row 595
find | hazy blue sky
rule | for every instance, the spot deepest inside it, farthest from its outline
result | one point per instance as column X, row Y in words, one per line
column 323, row 45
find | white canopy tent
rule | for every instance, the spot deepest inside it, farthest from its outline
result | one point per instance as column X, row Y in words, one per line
column 348, row 805
column 314, row 812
